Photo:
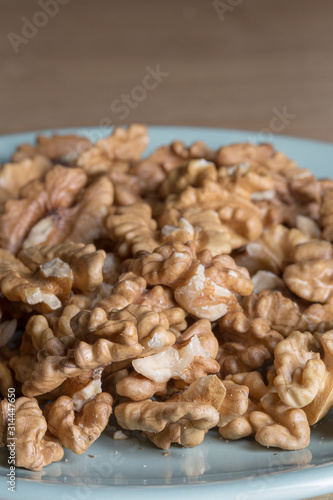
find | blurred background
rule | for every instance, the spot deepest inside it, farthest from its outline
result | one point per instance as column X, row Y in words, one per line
column 245, row 64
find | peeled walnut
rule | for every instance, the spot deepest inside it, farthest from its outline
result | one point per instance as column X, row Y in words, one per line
column 299, row 369
column 77, row 431
column 37, row 200
column 45, row 290
column 234, row 404
column 273, row 250
column 124, row 145
column 278, row 425
column 151, row 171
column 326, row 215
column 249, row 181
column 6, row 377
column 137, row 387
column 85, row 262
column 133, row 228
column 34, row 446
column 245, row 152
column 63, row 148
column 49, row 212
column 245, row 343
column 304, row 373
column 194, row 173
column 311, row 280
column 129, row 326
column 185, row 423
column 281, row 313
column 13, row 176
column 191, row 357
column 317, row 313
column 271, row 421
column 205, row 287
column 204, row 228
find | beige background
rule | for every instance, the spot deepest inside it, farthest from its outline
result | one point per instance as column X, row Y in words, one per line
column 236, row 69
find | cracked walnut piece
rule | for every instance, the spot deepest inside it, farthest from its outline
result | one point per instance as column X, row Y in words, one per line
column 77, row 431
column 34, row 446
column 45, row 290
column 204, row 286
column 185, row 423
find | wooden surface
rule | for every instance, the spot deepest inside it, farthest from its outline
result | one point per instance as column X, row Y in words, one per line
column 235, row 70
column 241, row 68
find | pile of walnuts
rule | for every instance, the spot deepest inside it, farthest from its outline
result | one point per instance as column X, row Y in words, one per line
column 187, row 290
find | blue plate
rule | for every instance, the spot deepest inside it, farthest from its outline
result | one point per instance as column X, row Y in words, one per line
column 134, row 468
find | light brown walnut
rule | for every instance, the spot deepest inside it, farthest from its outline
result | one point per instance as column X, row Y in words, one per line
column 123, row 144
column 311, row 280
column 62, row 148
column 271, row 421
column 204, row 286
column 13, row 176
column 34, row 446
column 85, row 262
column 135, row 326
column 204, row 228
column 44, row 290
column 137, row 387
column 133, row 229
column 191, row 357
column 185, row 423
column 245, row 343
column 77, row 431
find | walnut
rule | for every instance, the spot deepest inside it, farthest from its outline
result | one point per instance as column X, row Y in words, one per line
column 45, row 290
column 278, row 425
column 281, row 313
column 194, row 173
column 62, row 148
column 6, row 376
column 241, row 153
column 304, row 374
column 129, row 326
column 252, row 182
column 235, row 403
column 205, row 287
column 168, row 422
column 153, row 170
column 273, row 250
column 34, row 447
column 133, row 229
column 85, row 262
column 245, row 343
column 137, row 387
column 38, row 199
column 326, row 215
column 50, row 212
column 77, row 431
column 204, row 228
column 207, row 390
column 272, row 422
column 124, row 145
column 311, row 280
column 317, row 313
column 13, row 176
column 299, row 369
column 191, row 357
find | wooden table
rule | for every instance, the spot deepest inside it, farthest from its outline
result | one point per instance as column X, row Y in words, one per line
column 243, row 66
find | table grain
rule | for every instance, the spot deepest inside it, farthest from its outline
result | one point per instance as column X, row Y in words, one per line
column 260, row 65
